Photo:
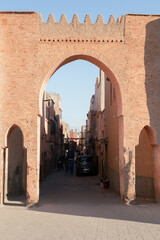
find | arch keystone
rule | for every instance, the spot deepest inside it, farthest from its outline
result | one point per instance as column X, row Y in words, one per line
column 75, row 19
column 63, row 19
column 100, row 19
column 112, row 19
column 88, row 19
column 51, row 18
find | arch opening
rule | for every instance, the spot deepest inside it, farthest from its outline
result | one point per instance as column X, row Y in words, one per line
column 97, row 62
column 110, row 161
column 144, row 164
column 15, row 167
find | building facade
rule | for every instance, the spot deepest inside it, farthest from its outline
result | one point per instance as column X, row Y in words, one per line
column 103, row 127
column 103, row 133
column 51, row 135
column 126, row 50
column 82, row 141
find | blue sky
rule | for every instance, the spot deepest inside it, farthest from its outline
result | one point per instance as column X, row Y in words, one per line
column 75, row 81
column 81, row 7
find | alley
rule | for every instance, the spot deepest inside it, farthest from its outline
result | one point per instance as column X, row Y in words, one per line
column 77, row 208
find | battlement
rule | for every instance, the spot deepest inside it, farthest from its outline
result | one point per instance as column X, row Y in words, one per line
column 113, row 29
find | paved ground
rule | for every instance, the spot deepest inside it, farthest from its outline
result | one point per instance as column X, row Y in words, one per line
column 77, row 208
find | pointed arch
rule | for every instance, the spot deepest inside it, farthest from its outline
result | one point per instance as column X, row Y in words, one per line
column 10, row 131
column 14, row 165
column 99, row 62
column 105, row 65
column 144, row 164
column 151, row 135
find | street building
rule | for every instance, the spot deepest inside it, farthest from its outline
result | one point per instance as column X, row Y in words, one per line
column 51, row 135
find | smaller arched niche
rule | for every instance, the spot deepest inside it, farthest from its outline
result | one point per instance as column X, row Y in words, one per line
column 16, row 183
column 144, row 164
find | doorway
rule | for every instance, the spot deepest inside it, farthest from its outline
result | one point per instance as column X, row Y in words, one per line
column 15, row 168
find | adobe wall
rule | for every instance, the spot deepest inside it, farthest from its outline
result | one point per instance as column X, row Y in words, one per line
column 31, row 51
column 112, row 133
column 144, row 167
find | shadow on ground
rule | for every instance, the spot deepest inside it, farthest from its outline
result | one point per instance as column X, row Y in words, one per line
column 62, row 193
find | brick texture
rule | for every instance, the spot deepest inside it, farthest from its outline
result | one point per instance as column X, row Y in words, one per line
column 127, row 51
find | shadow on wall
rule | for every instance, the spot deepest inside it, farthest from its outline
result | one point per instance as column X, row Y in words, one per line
column 15, row 155
column 128, row 175
column 144, row 166
column 15, row 163
column 152, row 74
column 152, row 84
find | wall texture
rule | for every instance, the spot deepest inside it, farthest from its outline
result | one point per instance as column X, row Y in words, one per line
column 31, row 51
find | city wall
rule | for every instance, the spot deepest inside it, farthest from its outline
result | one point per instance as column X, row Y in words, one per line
column 126, row 50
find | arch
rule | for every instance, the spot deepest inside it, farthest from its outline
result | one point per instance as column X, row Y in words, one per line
column 15, row 165
column 10, row 129
column 94, row 59
column 151, row 135
column 104, row 64
column 144, row 164
column 46, row 56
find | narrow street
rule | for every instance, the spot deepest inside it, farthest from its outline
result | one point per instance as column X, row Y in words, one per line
column 77, row 208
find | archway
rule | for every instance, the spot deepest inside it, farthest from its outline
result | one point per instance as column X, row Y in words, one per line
column 118, row 174
column 15, row 167
column 92, row 59
column 144, row 164
column 111, row 47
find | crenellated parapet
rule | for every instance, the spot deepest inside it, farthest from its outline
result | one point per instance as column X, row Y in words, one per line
column 63, row 31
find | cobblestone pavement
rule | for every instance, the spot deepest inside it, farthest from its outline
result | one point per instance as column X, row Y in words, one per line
column 77, row 208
